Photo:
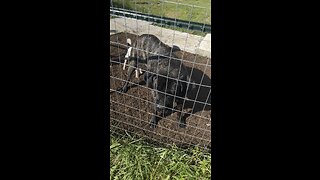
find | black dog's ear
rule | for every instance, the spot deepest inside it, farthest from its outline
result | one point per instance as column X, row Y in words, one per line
column 150, row 80
column 154, row 81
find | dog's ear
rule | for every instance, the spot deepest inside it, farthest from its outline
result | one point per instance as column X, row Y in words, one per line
column 154, row 80
column 149, row 80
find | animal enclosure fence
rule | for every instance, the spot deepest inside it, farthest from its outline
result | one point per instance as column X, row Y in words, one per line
column 183, row 26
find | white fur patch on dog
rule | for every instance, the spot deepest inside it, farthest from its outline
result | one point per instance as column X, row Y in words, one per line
column 128, row 52
column 129, row 41
column 127, row 57
column 124, row 64
column 137, row 73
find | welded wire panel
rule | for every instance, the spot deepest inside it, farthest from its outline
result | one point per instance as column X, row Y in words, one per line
column 131, row 111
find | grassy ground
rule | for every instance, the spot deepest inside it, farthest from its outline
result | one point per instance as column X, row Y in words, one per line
column 133, row 159
column 171, row 10
column 166, row 9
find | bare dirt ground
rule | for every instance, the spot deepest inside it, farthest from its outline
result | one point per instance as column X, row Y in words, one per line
column 131, row 111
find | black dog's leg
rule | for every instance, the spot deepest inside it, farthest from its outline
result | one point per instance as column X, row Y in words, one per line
column 154, row 119
column 148, row 77
column 132, row 67
column 181, row 119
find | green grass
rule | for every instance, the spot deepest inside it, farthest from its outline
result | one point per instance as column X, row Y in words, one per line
column 134, row 159
column 165, row 9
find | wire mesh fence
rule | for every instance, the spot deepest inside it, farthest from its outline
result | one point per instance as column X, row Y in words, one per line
column 167, row 68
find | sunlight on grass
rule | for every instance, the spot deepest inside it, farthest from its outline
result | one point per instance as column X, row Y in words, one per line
column 134, row 159
column 171, row 10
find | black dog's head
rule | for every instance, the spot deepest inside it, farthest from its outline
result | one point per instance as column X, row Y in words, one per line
column 164, row 91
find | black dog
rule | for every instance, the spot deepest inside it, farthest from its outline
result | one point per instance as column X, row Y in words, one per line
column 146, row 47
column 167, row 76
column 165, row 92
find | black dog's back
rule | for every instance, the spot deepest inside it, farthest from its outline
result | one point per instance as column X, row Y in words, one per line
column 170, row 67
column 148, row 46
column 167, row 85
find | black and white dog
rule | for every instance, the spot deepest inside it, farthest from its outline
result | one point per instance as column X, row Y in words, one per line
column 145, row 47
column 165, row 75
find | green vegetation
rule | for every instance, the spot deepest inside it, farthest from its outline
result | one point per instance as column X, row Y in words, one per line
column 171, row 10
column 132, row 158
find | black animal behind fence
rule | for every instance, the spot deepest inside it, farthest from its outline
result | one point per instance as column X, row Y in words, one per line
column 169, row 99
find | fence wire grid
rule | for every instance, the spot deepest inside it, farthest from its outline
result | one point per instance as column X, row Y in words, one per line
column 131, row 111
